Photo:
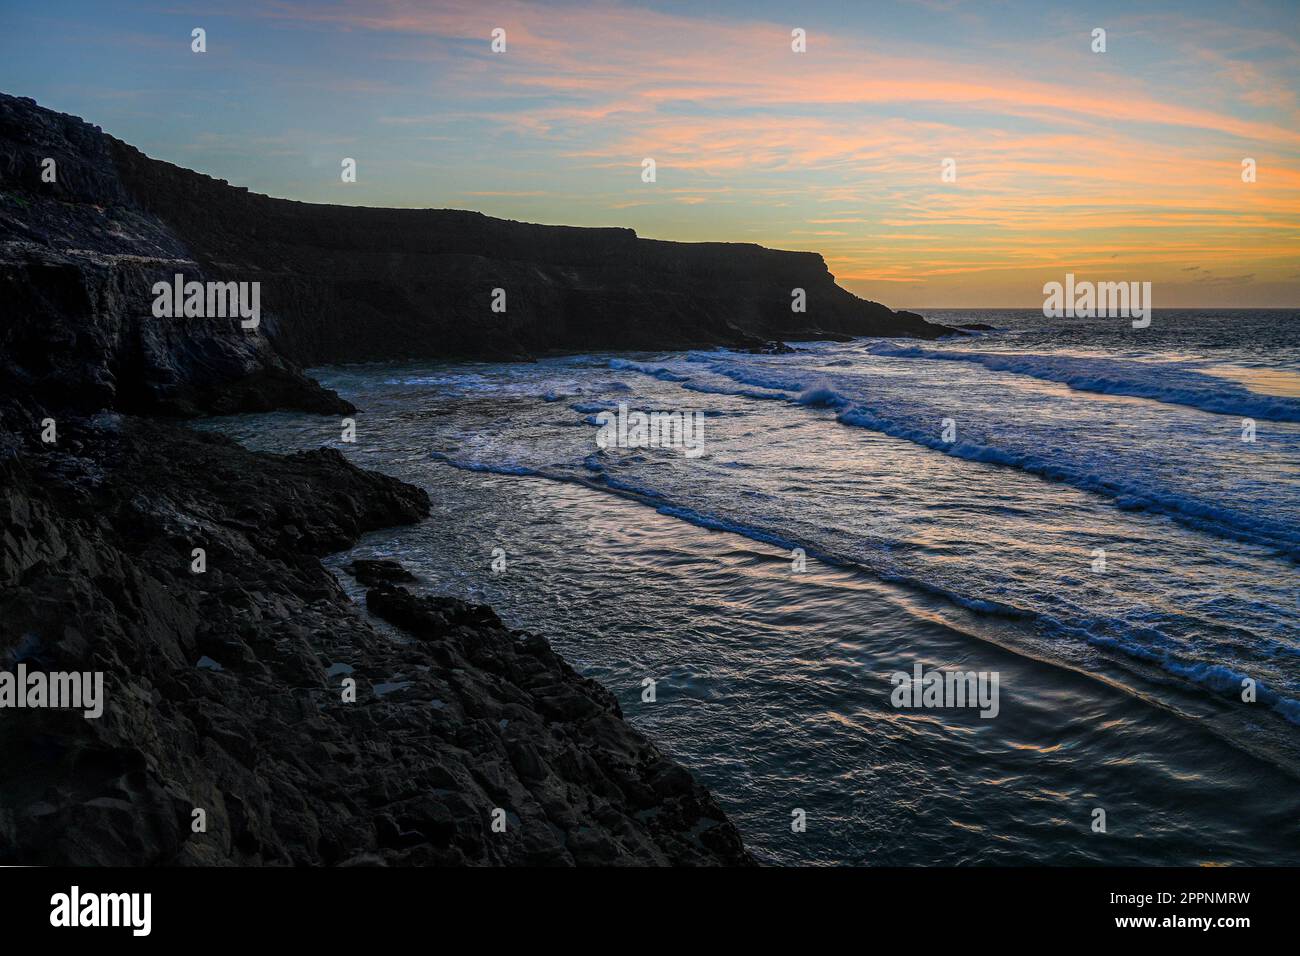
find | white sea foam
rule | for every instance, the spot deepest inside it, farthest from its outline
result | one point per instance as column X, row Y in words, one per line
column 1176, row 383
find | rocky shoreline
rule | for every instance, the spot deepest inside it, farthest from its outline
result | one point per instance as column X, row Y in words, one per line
column 227, row 690
column 255, row 715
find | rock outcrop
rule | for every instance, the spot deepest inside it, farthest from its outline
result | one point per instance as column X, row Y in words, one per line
column 78, row 260
column 228, row 691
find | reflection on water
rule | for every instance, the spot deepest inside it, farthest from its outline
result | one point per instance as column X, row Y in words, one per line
column 1266, row 381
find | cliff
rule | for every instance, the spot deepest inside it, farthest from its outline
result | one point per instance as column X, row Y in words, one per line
column 346, row 284
column 356, row 284
column 78, row 259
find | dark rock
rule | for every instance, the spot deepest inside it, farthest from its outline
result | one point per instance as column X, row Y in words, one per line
column 78, row 260
column 286, row 771
column 427, row 617
column 370, row 572
column 769, row 348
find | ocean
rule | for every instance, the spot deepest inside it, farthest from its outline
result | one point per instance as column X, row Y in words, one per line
column 1106, row 518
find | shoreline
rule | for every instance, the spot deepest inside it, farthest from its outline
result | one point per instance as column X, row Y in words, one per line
column 224, row 690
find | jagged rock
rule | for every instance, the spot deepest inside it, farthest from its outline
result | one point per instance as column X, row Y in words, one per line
column 468, row 718
column 78, row 260
column 428, row 617
column 372, row 572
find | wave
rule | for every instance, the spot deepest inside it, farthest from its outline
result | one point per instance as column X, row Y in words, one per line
column 1214, row 519
column 1220, row 680
column 822, row 397
column 518, row 471
column 1168, row 382
column 742, row 392
column 1202, row 516
column 659, row 372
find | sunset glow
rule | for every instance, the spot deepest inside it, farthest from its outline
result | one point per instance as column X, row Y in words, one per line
column 1118, row 165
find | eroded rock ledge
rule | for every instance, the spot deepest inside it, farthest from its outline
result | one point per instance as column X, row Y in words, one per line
column 225, row 689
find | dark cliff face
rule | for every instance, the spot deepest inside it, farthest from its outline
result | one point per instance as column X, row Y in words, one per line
column 348, row 284
column 356, row 283
column 78, row 260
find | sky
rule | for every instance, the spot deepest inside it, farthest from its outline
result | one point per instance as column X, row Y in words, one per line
column 1123, row 165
